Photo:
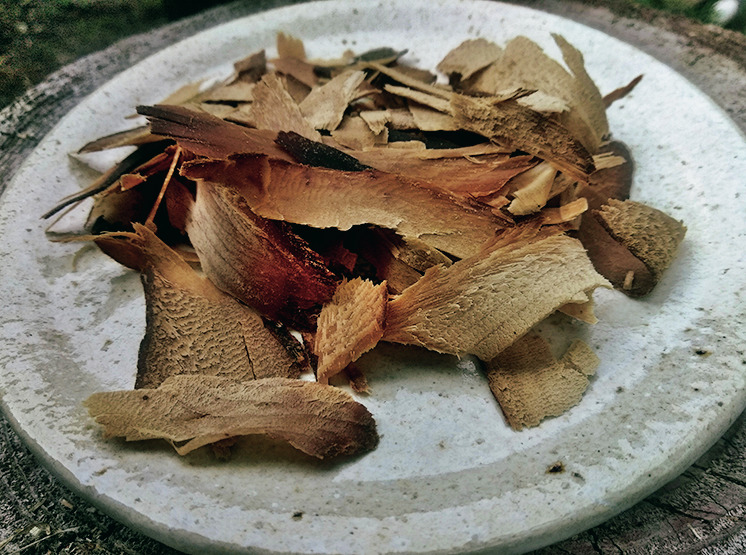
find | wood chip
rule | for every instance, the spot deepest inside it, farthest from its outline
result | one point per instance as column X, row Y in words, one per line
column 354, row 133
column 469, row 57
column 481, row 305
column 191, row 411
column 648, row 233
column 531, row 385
column 207, row 135
column 524, row 129
column 531, row 189
column 194, row 328
column 274, row 109
column 258, row 261
column 289, row 46
column 325, row 106
column 309, row 196
column 349, row 325
column 525, row 65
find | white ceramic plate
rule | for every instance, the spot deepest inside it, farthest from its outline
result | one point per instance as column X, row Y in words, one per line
column 449, row 475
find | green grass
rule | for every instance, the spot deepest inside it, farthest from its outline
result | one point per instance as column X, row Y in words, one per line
column 39, row 36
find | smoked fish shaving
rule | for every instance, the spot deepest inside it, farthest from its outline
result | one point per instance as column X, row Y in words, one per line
column 349, row 325
column 481, row 305
column 531, row 385
column 190, row 411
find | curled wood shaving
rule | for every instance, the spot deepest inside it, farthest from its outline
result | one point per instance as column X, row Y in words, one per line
column 349, row 325
column 274, row 109
column 194, row 328
column 525, row 65
column 531, row 385
column 649, row 234
column 258, row 261
column 524, row 129
column 481, row 305
column 469, row 57
column 190, row 411
column 325, row 106
column 531, row 189
column 310, row 196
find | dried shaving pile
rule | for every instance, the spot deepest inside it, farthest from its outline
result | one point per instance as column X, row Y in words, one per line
column 361, row 200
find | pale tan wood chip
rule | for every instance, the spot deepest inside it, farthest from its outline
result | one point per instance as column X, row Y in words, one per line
column 621, row 92
column 297, row 69
column 275, row 110
column 586, row 93
column 289, row 46
column 251, row 68
column 544, row 103
column 355, row 134
column 648, row 233
column 406, row 79
column 427, row 119
column 184, row 94
column 481, row 305
column 531, row 385
column 224, row 111
column 349, row 325
column 524, row 129
column 325, row 106
column 310, row 196
column 437, row 103
column 531, row 189
column 190, row 411
column 469, row 57
column 525, row 65
column 378, row 120
column 564, row 213
column 582, row 311
column 130, row 137
column 238, row 91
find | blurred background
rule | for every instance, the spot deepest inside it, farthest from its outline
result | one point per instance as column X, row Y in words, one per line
column 39, row 36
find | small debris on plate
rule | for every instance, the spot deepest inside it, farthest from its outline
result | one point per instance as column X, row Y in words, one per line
column 359, row 200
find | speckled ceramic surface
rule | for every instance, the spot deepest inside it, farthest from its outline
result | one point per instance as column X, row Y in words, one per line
column 448, row 476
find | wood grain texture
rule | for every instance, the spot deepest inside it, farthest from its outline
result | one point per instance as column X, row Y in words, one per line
column 702, row 511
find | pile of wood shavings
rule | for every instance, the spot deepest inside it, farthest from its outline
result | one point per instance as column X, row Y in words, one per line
column 361, row 200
